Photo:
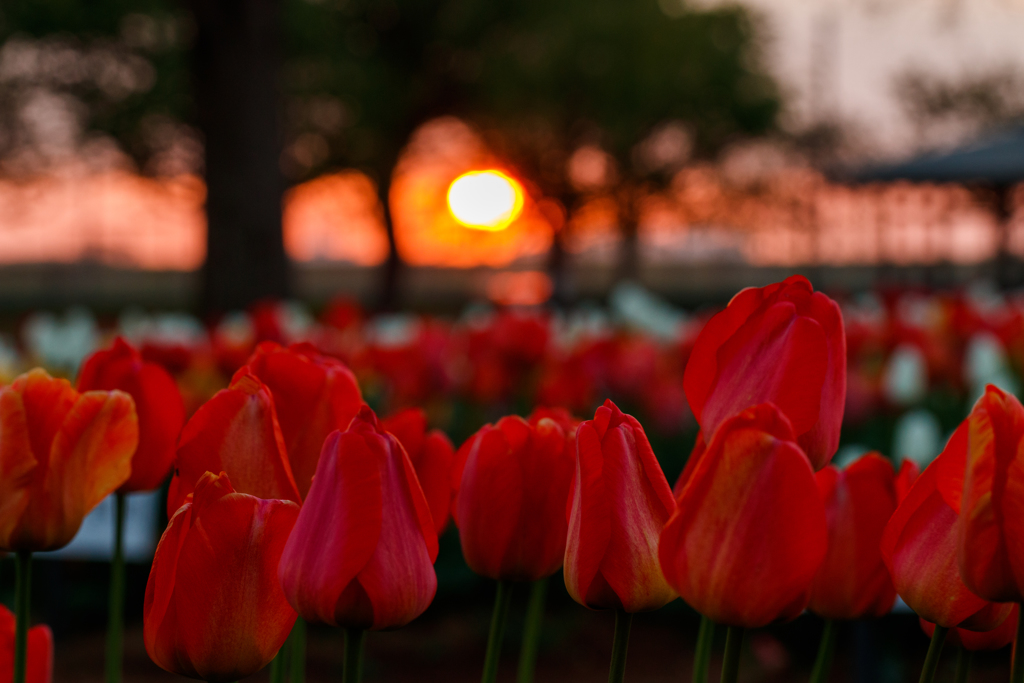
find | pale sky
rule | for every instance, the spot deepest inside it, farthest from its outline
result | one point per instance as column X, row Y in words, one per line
column 863, row 44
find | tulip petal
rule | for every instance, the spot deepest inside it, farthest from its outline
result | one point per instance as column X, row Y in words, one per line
column 160, row 616
column 702, row 368
column 90, row 458
column 399, row 578
column 853, row 582
column 630, row 564
column 337, row 530
column 720, row 551
column 313, row 396
column 792, row 379
column 227, row 585
column 590, row 517
column 17, row 464
column 236, row 432
column 489, row 510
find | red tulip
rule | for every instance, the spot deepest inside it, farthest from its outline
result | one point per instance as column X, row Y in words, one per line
column 61, row 453
column 990, row 544
column 994, row 639
column 39, row 656
column 852, row 582
column 362, row 551
column 236, row 432
column 919, row 546
column 214, row 608
column 750, row 531
column 313, row 395
column 510, row 505
column 783, row 344
column 619, row 504
column 432, row 456
column 161, row 411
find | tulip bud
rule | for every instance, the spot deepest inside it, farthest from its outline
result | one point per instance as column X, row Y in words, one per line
column 919, row 546
column 749, row 532
column 432, row 456
column 363, row 548
column 993, row 639
column 510, row 505
column 852, row 582
column 158, row 403
column 214, row 608
column 990, row 545
column 619, row 503
column 782, row 344
column 61, row 453
column 236, row 432
column 313, row 395
column 39, row 655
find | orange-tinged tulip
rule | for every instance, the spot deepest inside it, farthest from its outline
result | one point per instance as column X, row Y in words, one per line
column 990, row 545
column 852, row 582
column 749, row 532
column 158, row 403
column 510, row 506
column 362, row 551
column 919, row 546
column 994, row 639
column 214, row 608
column 432, row 455
column 236, row 432
column 619, row 503
column 783, row 344
column 313, row 395
column 61, row 453
column 39, row 656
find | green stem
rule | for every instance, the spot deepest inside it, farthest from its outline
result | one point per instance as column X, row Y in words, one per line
column 963, row 665
column 115, row 608
column 931, row 660
column 1017, row 671
column 298, row 651
column 702, row 654
column 353, row 672
column 531, row 632
column 617, row 671
column 279, row 665
column 22, row 601
column 826, row 650
column 733, row 649
column 498, row 618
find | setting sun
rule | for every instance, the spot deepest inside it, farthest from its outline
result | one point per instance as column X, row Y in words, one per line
column 485, row 200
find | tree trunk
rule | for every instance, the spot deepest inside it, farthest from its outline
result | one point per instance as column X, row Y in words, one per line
column 235, row 70
column 391, row 274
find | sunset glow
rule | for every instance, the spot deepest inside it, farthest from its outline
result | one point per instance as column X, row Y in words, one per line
column 485, row 200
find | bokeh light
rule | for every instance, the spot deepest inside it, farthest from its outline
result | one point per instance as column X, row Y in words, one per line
column 485, row 200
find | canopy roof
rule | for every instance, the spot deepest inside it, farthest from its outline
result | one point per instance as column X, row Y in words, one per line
column 995, row 159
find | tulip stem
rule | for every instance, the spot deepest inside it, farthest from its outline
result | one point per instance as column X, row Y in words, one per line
column 494, row 638
column 298, row 651
column 279, row 665
column 115, row 606
column 531, row 632
column 931, row 660
column 826, row 651
column 623, row 622
column 22, row 600
column 963, row 665
column 353, row 672
column 733, row 649
column 702, row 653
column 1017, row 671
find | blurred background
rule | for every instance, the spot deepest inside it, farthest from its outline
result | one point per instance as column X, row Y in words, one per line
column 483, row 205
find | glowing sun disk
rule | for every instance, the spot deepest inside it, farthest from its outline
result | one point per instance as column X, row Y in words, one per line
column 485, row 200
